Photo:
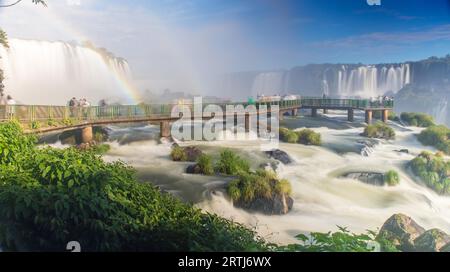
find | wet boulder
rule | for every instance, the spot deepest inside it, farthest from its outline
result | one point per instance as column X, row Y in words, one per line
column 401, row 231
column 279, row 155
column 372, row 178
column 276, row 205
column 432, row 240
column 193, row 169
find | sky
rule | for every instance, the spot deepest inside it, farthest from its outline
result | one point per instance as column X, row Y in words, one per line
column 180, row 44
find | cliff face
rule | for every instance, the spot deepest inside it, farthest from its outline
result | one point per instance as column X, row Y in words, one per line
column 421, row 86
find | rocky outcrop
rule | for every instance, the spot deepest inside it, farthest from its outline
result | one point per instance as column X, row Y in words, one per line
column 372, row 178
column 271, row 166
column 432, row 240
column 401, row 231
column 404, row 233
column 276, row 205
column 279, row 155
column 192, row 153
column 193, row 169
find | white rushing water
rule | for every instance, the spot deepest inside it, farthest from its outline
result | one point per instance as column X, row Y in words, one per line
column 322, row 199
column 370, row 81
column 43, row 72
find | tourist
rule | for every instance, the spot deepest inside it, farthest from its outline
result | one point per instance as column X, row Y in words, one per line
column 73, row 102
column 3, row 99
column 11, row 106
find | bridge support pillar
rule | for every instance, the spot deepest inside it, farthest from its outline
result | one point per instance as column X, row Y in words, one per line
column 325, row 111
column 87, row 134
column 350, row 115
column 164, row 129
column 247, row 122
column 314, row 112
column 294, row 112
column 384, row 115
column 368, row 116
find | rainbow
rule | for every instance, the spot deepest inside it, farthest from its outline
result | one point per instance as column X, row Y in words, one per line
column 126, row 84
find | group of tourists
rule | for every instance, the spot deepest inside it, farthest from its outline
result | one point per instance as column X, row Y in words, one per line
column 74, row 102
column 7, row 103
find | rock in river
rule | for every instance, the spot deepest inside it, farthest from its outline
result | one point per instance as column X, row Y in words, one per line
column 279, row 155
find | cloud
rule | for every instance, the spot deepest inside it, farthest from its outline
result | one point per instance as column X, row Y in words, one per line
column 437, row 33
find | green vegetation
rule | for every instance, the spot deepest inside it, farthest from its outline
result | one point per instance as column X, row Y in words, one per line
column 178, row 154
column 437, row 136
column 68, row 122
column 35, row 125
column 205, row 164
column 433, row 170
column 261, row 184
column 101, row 149
column 417, row 119
column 391, row 115
column 308, row 137
column 52, row 123
column 304, row 136
column 231, row 164
column 51, row 196
column 379, row 130
column 3, row 39
column 288, row 136
column 341, row 241
column 392, row 178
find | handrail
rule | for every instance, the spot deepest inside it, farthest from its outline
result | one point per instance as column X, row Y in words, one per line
column 48, row 113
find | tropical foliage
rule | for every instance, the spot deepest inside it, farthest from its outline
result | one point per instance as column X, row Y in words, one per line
column 51, row 196
column 391, row 178
column 379, row 130
column 303, row 136
column 417, row 119
column 437, row 136
column 433, row 170
column 261, row 184
column 230, row 163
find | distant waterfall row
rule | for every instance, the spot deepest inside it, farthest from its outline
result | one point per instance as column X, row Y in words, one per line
column 331, row 79
column 53, row 72
column 372, row 80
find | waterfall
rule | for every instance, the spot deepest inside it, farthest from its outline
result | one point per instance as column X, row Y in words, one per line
column 369, row 81
column 42, row 72
column 269, row 83
column 440, row 112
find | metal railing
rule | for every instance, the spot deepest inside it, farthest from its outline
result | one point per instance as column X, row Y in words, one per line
column 31, row 113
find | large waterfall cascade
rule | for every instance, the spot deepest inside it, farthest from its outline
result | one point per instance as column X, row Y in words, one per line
column 369, row 81
column 42, row 72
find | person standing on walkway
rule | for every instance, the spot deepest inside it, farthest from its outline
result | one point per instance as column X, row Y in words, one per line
column 3, row 102
column 11, row 106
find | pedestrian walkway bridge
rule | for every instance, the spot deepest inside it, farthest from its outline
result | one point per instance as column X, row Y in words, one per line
column 43, row 118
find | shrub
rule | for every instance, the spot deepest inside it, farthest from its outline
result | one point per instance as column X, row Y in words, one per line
column 391, row 178
column 68, row 122
column 309, row 137
column 437, row 136
column 178, row 154
column 205, row 164
column 433, row 170
column 341, row 241
column 262, row 183
column 304, row 136
column 379, row 130
column 13, row 142
column 417, row 119
column 289, row 136
column 231, row 164
column 52, row 123
column 35, row 125
column 51, row 196
column 101, row 149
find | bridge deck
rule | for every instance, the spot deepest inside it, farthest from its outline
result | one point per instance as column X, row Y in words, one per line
column 96, row 115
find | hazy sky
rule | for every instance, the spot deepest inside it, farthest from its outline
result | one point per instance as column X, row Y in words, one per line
column 179, row 44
